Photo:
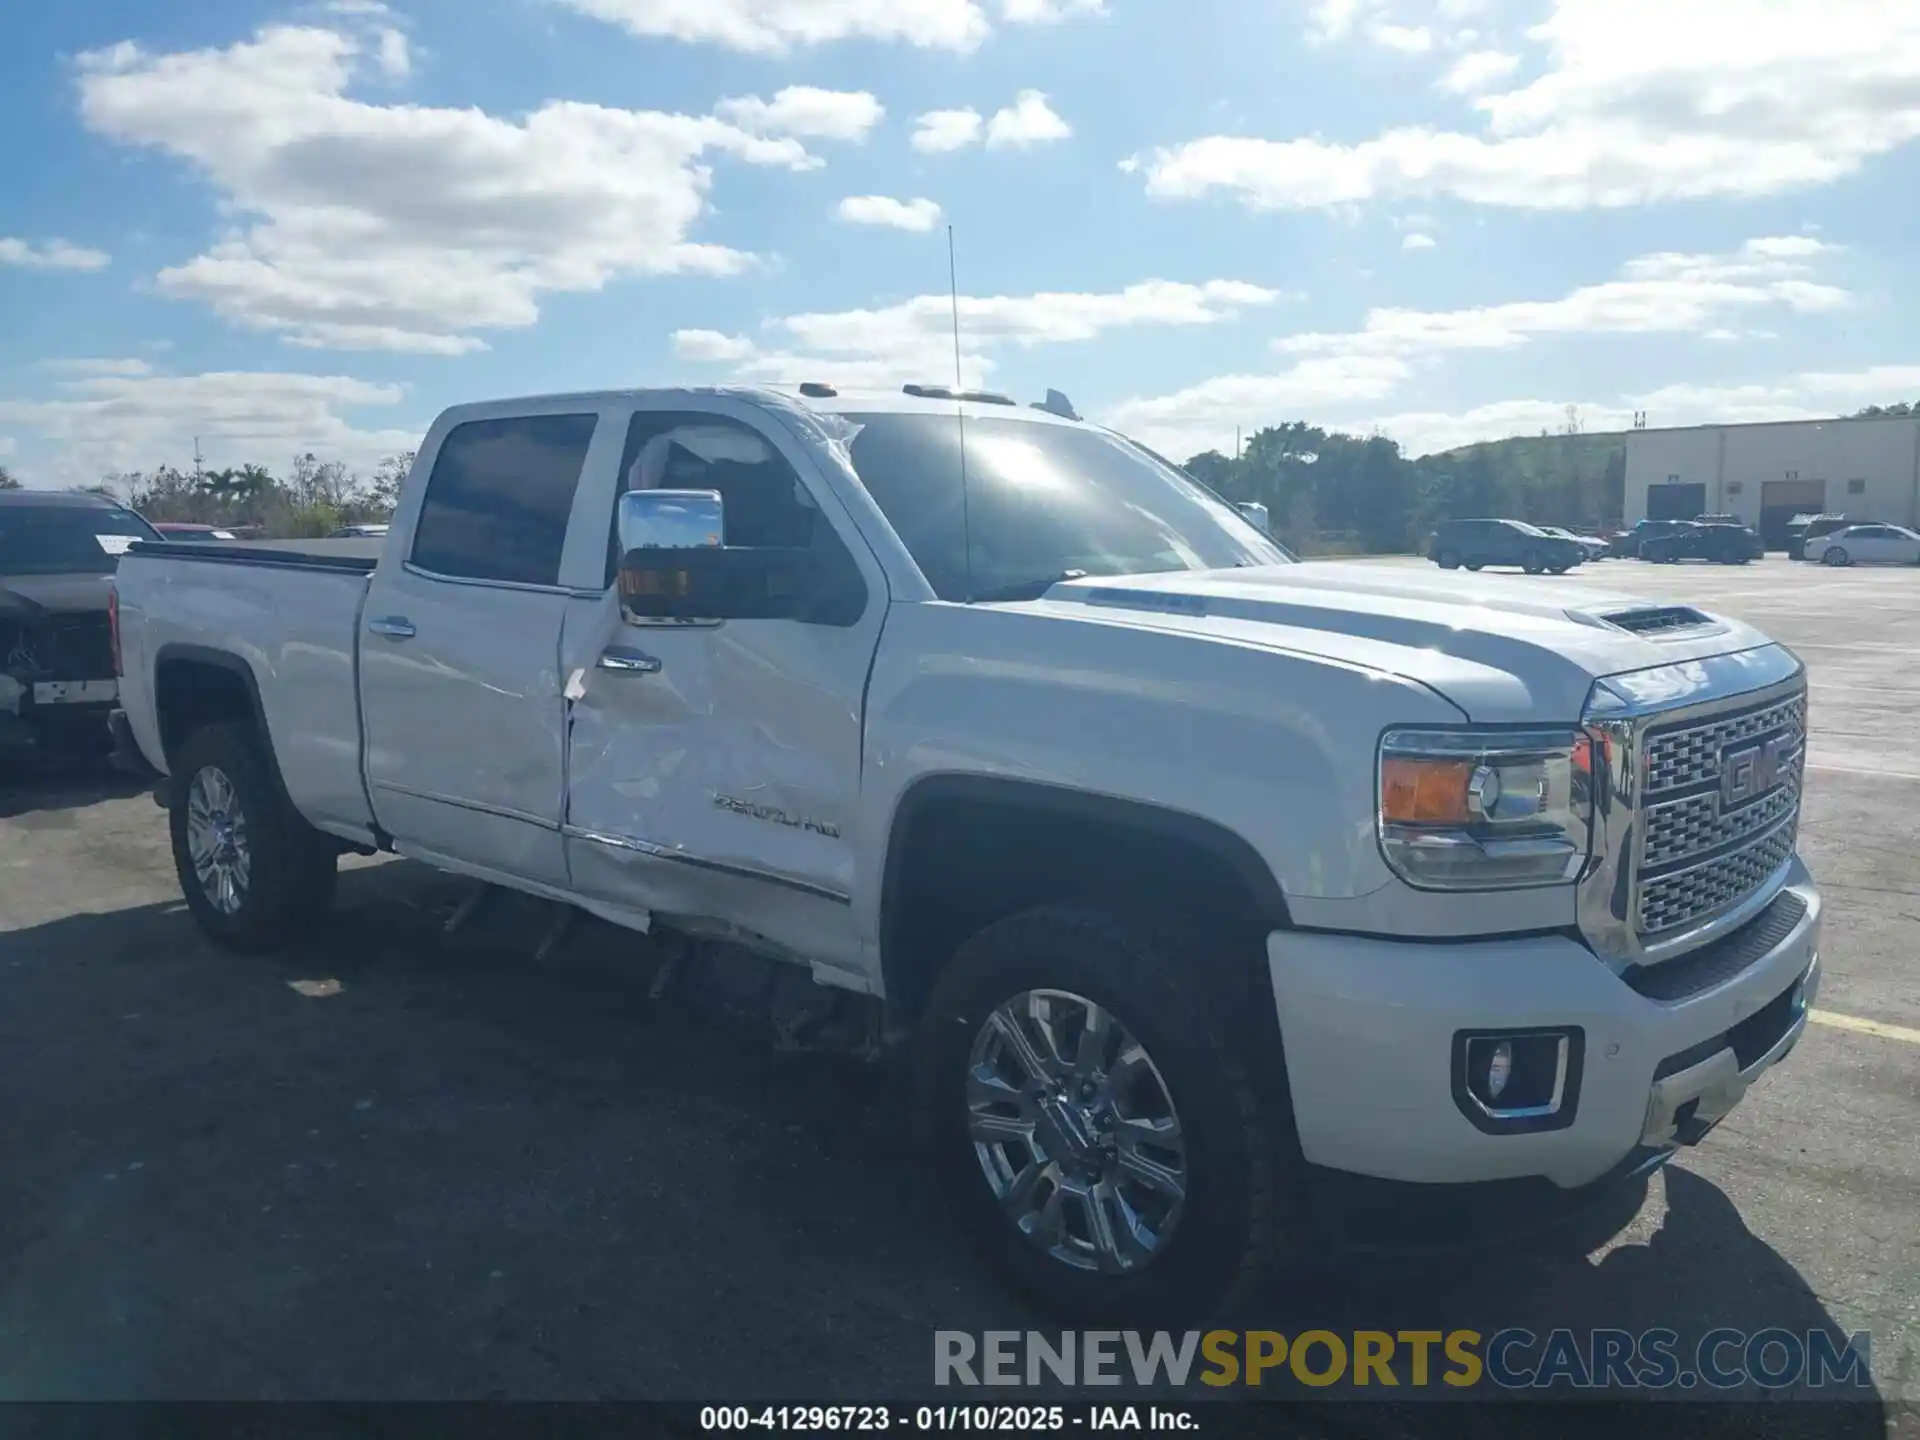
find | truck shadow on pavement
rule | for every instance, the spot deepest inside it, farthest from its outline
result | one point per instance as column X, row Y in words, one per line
column 465, row 1174
column 61, row 780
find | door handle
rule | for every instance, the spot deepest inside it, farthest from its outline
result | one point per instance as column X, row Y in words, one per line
column 393, row 627
column 628, row 661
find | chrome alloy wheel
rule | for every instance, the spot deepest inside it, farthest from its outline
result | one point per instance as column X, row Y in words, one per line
column 1076, row 1132
column 217, row 840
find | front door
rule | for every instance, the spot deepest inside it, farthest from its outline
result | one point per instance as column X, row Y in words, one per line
column 714, row 770
column 461, row 689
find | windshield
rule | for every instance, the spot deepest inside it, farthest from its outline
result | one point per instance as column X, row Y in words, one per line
column 1042, row 503
column 1525, row 529
column 67, row 539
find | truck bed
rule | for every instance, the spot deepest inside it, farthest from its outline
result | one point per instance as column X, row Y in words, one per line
column 355, row 555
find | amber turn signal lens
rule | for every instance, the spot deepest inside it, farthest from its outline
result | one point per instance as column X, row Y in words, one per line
column 1424, row 792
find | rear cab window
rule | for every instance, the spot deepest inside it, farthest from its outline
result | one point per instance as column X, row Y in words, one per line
column 499, row 498
column 63, row 539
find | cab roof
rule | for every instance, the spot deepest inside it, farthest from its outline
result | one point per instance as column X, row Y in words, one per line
column 820, row 398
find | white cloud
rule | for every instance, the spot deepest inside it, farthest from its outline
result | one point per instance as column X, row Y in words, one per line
column 776, row 26
column 1418, row 240
column 913, row 340
column 1407, row 39
column 940, row 131
column 1030, row 120
column 1048, row 12
column 710, row 345
column 1204, row 416
column 1640, row 101
column 52, row 255
column 1810, row 395
column 409, row 226
column 394, row 58
column 1479, row 70
column 7, row 445
column 804, row 110
column 1666, row 293
column 125, row 422
column 916, row 215
column 96, row 367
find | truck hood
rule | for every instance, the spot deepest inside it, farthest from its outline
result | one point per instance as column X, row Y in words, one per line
column 24, row 595
column 1501, row 648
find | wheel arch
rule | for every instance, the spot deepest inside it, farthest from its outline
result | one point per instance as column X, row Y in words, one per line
column 1047, row 840
column 228, row 691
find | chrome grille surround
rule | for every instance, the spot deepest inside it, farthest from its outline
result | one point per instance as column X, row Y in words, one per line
column 1671, row 868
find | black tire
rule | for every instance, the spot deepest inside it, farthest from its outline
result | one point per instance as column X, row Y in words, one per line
column 1533, row 562
column 1559, row 569
column 1171, row 985
column 1474, row 565
column 291, row 867
column 1449, row 560
column 1835, row 555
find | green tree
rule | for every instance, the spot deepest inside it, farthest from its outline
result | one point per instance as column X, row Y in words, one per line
column 7, row 482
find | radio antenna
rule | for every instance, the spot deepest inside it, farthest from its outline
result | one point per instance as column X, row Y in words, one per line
column 960, row 414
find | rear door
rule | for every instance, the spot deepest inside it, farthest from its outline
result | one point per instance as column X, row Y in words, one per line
column 461, row 689
column 714, row 769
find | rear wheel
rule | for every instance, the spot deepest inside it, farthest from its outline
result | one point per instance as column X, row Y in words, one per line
column 1449, row 560
column 251, row 868
column 1836, row 555
column 1111, row 1129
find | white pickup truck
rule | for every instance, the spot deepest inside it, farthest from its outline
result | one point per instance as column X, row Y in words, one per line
column 1198, row 879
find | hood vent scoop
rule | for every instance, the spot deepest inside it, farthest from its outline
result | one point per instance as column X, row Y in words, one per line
column 1659, row 620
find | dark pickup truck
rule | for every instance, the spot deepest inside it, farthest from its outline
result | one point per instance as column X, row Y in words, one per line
column 58, row 554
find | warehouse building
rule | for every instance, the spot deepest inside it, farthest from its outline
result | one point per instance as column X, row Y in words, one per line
column 1766, row 474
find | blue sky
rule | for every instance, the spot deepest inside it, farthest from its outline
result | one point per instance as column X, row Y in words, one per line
column 283, row 227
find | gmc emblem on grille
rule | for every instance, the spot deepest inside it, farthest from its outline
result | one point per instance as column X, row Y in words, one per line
column 1757, row 770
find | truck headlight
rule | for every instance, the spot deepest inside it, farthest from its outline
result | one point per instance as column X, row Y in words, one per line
column 1491, row 809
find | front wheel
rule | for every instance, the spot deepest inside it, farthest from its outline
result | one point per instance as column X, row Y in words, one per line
column 1533, row 563
column 1559, row 569
column 1835, row 555
column 251, row 868
column 1110, row 1128
column 1449, row 560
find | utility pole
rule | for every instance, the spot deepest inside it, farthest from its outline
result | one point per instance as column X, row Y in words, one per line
column 196, row 460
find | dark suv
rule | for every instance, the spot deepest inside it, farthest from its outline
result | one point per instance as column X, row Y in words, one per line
column 1627, row 544
column 1722, row 543
column 1475, row 543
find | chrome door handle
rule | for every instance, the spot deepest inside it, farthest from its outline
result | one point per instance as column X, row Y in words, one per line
column 393, row 627
column 628, row 661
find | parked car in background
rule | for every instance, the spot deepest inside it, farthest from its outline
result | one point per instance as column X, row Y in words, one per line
column 1478, row 543
column 1805, row 528
column 1595, row 547
column 58, row 553
column 1627, row 544
column 1721, row 543
column 187, row 530
column 359, row 532
column 1866, row 545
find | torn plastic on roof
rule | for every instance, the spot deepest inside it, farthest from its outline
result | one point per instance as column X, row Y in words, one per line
column 825, row 432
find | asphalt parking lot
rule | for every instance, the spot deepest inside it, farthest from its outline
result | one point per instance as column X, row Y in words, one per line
column 470, row 1174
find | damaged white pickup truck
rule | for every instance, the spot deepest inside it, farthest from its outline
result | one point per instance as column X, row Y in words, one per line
column 1199, row 880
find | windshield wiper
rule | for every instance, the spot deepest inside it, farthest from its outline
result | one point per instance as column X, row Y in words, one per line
column 1028, row 589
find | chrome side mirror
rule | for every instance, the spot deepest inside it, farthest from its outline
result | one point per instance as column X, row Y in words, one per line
column 670, row 520
column 1255, row 514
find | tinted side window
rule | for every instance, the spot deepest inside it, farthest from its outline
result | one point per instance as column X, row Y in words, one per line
column 499, row 497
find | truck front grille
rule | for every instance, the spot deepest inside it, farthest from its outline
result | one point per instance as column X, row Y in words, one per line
column 1700, row 853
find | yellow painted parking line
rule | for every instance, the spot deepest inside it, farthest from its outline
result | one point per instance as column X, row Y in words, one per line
column 1866, row 1027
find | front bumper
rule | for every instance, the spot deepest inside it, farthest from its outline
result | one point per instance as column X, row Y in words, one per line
column 1369, row 1027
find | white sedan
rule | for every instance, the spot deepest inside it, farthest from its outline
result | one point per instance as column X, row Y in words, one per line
column 1867, row 545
